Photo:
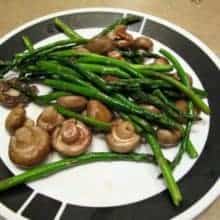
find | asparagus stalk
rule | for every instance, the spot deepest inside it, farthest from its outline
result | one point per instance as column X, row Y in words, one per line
column 28, row 43
column 67, row 30
column 46, row 170
column 125, row 21
column 185, row 143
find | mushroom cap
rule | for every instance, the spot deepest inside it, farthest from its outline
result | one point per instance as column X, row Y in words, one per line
column 100, row 45
column 144, row 43
column 168, row 138
column 72, row 138
column 15, row 119
column 98, row 111
column 122, row 138
column 182, row 105
column 29, row 146
column 74, row 102
column 49, row 119
column 161, row 60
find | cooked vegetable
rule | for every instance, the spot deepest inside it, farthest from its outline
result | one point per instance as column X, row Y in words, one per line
column 144, row 43
column 73, row 102
column 122, row 138
column 100, row 45
column 182, row 105
column 98, row 111
column 161, row 60
column 72, row 138
column 48, row 169
column 168, row 138
column 49, row 119
column 29, row 146
column 15, row 119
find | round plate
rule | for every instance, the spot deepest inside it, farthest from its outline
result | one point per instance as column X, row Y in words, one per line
column 120, row 190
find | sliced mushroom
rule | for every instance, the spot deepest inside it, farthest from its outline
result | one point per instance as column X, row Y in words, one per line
column 100, row 45
column 72, row 138
column 168, row 138
column 81, row 49
column 182, row 105
column 144, row 43
column 74, row 102
column 161, row 60
column 49, row 119
column 151, row 108
column 123, row 137
column 98, row 111
column 29, row 146
column 15, row 119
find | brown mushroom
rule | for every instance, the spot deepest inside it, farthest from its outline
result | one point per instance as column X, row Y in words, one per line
column 122, row 138
column 151, row 108
column 29, row 146
column 15, row 119
column 161, row 60
column 115, row 54
column 98, row 111
column 72, row 138
column 110, row 78
column 168, row 138
column 81, row 49
column 182, row 105
column 74, row 102
column 122, row 39
column 144, row 43
column 100, row 45
column 49, row 119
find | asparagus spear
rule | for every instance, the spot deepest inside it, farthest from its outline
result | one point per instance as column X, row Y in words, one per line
column 67, row 30
column 45, row 170
column 125, row 21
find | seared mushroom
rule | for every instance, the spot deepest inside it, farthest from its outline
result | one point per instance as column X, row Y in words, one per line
column 15, row 119
column 74, row 102
column 144, row 43
column 182, row 105
column 151, row 108
column 98, row 111
column 100, row 45
column 168, row 138
column 123, row 137
column 49, row 119
column 81, row 49
column 110, row 78
column 115, row 54
column 29, row 146
column 161, row 60
column 122, row 39
column 72, row 138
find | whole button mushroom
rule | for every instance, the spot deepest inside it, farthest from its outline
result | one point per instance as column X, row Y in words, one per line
column 15, row 119
column 100, row 45
column 98, row 111
column 168, row 138
column 122, row 138
column 49, row 119
column 76, row 103
column 29, row 146
column 144, row 43
column 72, row 138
